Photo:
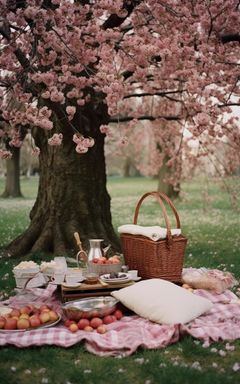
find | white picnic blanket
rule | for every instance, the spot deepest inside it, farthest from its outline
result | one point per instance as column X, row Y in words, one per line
column 154, row 233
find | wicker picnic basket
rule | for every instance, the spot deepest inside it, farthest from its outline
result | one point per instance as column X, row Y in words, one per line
column 156, row 259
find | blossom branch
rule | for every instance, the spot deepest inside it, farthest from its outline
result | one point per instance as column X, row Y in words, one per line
column 146, row 117
column 228, row 38
column 161, row 94
column 115, row 21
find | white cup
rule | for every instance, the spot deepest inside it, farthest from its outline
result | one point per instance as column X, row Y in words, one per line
column 78, row 273
column 61, row 263
column 133, row 274
column 58, row 277
column 72, row 279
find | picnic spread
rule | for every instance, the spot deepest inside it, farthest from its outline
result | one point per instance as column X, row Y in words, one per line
column 114, row 309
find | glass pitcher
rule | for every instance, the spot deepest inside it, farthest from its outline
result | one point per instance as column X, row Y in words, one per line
column 95, row 251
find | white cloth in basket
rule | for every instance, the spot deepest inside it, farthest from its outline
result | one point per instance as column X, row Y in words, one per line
column 154, row 233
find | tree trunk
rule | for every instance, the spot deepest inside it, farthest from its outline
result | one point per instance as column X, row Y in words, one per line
column 126, row 167
column 164, row 184
column 12, row 184
column 72, row 194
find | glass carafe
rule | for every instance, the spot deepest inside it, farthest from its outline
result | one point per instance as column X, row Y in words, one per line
column 95, row 251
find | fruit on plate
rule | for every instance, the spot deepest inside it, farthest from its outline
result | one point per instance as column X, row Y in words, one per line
column 34, row 321
column 10, row 324
column 23, row 323
column 15, row 312
column 53, row 315
column 44, row 317
column 28, row 316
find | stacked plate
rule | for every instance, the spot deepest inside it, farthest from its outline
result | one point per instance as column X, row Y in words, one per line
column 120, row 279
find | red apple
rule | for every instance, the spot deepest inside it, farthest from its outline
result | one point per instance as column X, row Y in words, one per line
column 23, row 323
column 116, row 261
column 34, row 321
column 15, row 313
column 108, row 319
column 86, row 315
column 2, row 322
column 83, row 323
column 88, row 328
column 102, row 260
column 95, row 260
column 44, row 306
column 95, row 322
column 24, row 316
column 101, row 329
column 53, row 315
column 31, row 307
column 45, row 310
column 26, row 310
column 68, row 322
column 73, row 327
column 10, row 324
column 44, row 317
column 118, row 314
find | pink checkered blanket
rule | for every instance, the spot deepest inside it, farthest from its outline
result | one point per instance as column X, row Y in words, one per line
column 125, row 336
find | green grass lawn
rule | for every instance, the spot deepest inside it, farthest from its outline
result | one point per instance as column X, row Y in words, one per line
column 210, row 222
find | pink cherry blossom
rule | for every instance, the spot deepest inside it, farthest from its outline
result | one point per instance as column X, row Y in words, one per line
column 181, row 57
column 5, row 155
column 56, row 139
column 81, row 149
column 36, row 151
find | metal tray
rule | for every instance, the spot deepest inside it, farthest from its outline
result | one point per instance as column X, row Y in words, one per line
column 89, row 307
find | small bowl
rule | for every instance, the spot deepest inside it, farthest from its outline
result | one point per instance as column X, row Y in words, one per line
column 91, row 278
column 89, row 307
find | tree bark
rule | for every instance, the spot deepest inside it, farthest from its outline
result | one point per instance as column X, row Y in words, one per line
column 12, row 184
column 164, row 184
column 72, row 194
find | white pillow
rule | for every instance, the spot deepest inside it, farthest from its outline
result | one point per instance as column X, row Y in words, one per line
column 162, row 302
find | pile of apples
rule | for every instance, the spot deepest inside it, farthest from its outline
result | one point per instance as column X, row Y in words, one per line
column 95, row 323
column 103, row 260
column 28, row 316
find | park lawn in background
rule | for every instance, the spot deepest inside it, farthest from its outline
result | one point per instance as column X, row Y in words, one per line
column 212, row 227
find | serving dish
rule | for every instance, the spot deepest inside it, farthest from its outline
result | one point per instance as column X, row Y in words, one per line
column 46, row 325
column 122, row 278
column 89, row 307
column 71, row 285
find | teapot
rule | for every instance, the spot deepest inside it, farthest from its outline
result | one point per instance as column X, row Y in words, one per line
column 96, row 251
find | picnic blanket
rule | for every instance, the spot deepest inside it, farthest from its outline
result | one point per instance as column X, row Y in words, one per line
column 125, row 336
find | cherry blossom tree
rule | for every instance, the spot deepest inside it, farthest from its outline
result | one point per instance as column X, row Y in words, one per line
column 76, row 66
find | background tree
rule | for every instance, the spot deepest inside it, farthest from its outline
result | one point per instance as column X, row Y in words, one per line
column 73, row 64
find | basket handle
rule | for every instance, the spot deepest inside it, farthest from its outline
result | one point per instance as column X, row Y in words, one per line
column 160, row 196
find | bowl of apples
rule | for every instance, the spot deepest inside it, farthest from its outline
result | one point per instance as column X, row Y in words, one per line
column 104, row 265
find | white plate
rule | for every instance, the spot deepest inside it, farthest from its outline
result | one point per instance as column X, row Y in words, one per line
column 136, row 278
column 47, row 325
column 73, row 285
column 116, row 280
